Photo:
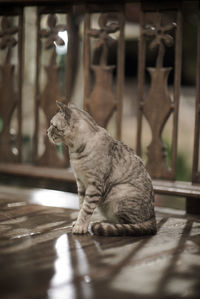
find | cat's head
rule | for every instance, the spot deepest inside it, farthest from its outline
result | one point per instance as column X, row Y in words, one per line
column 69, row 124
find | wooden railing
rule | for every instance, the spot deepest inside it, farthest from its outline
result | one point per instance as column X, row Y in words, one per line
column 160, row 29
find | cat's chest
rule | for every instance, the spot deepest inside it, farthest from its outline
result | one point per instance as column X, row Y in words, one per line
column 81, row 171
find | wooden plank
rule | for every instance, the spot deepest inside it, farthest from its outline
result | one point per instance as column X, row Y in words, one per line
column 120, row 75
column 71, row 2
column 192, row 205
column 152, row 6
column 40, row 255
column 179, row 188
column 20, row 82
column 195, row 169
column 177, row 83
column 37, row 172
column 11, row 83
column 141, row 70
column 37, row 91
column 86, row 60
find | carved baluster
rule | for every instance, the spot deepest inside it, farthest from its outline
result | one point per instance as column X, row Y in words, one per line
column 9, row 97
column 195, row 170
column 51, row 92
column 192, row 204
column 158, row 105
column 101, row 99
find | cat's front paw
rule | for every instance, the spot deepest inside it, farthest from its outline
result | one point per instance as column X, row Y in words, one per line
column 79, row 229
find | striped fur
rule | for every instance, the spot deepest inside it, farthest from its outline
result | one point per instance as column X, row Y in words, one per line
column 110, row 229
column 109, row 176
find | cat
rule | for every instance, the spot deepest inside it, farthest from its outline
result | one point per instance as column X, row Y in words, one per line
column 109, row 176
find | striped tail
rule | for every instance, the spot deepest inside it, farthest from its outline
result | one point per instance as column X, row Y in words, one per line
column 110, row 229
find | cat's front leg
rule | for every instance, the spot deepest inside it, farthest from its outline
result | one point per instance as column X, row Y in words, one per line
column 81, row 195
column 90, row 203
column 81, row 192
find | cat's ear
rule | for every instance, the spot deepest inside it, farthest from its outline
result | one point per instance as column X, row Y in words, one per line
column 71, row 106
column 64, row 109
column 61, row 106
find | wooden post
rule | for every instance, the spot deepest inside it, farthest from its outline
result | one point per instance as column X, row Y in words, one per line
column 193, row 204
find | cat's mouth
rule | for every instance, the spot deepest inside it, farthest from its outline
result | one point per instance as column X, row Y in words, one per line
column 53, row 136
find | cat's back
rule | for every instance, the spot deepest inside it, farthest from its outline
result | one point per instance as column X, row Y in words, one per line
column 127, row 166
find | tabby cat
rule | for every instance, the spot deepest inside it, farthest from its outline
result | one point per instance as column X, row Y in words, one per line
column 108, row 174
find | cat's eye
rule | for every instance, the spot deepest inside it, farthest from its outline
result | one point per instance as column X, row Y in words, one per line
column 53, row 125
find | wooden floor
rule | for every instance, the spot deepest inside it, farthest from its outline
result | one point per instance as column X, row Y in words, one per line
column 40, row 258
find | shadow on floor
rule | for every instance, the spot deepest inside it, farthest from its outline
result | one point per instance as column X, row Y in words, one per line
column 41, row 258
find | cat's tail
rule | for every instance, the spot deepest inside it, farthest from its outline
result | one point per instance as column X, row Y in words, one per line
column 110, row 229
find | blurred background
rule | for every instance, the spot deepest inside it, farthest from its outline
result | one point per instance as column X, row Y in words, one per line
column 64, row 35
